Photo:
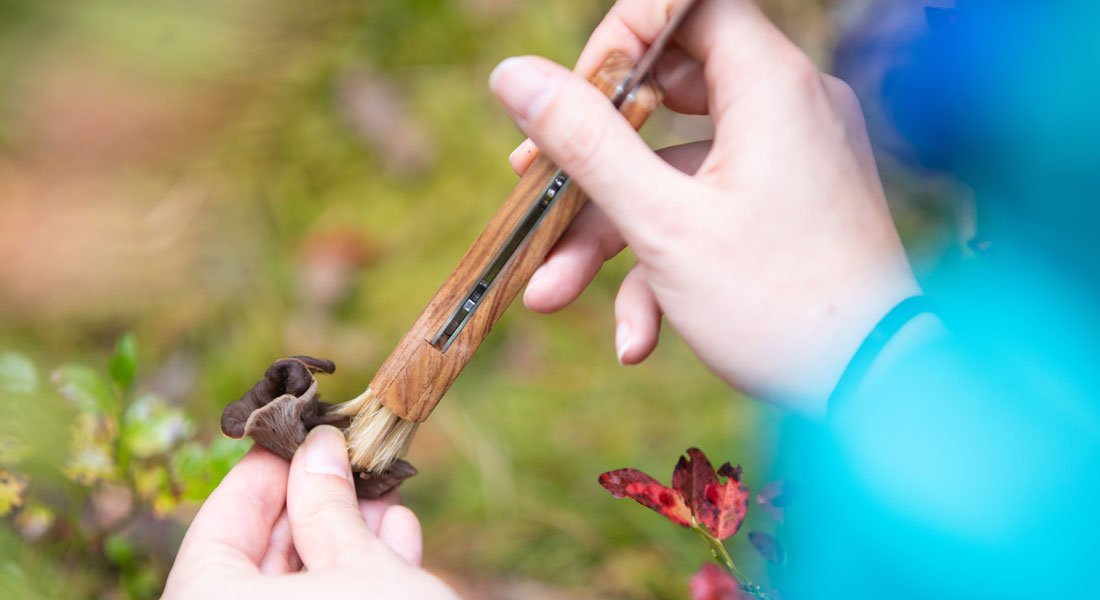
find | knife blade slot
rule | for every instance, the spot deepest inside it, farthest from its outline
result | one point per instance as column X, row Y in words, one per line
column 472, row 300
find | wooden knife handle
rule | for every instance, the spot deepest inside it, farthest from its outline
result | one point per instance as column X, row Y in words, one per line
column 416, row 374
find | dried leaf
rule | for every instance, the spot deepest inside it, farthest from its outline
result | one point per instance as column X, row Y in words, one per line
column 767, row 546
column 647, row 491
column 712, row 582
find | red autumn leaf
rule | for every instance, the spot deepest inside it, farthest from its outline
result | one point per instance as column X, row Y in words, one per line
column 696, row 495
column 767, row 546
column 712, row 582
column 720, row 507
column 647, row 491
column 691, row 477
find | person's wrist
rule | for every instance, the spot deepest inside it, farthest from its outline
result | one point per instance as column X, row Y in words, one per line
column 845, row 327
column 910, row 324
column 919, row 332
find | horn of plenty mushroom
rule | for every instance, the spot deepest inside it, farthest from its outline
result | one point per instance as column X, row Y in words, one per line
column 281, row 408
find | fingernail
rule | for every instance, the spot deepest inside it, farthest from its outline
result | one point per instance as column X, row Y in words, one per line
column 537, row 276
column 522, row 86
column 326, row 452
column 532, row 283
column 521, row 150
column 622, row 340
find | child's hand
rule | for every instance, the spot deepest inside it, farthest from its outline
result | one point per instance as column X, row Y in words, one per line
column 771, row 249
column 270, row 531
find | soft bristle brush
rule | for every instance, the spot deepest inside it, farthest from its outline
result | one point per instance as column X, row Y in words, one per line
column 428, row 359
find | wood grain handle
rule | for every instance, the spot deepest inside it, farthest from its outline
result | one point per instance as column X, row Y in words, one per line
column 417, row 373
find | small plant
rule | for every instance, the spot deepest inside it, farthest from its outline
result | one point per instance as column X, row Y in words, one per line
column 116, row 487
column 715, row 510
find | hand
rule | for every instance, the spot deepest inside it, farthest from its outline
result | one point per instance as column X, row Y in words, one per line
column 269, row 531
column 770, row 249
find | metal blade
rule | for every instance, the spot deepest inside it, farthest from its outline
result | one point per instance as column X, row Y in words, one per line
column 545, row 200
column 644, row 66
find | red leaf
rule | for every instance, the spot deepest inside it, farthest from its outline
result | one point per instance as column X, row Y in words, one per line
column 711, row 582
column 696, row 495
column 767, row 546
column 732, row 472
column 647, row 491
column 727, row 505
column 691, row 477
column 719, row 507
column 617, row 480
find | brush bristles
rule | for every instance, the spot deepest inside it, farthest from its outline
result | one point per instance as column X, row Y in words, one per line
column 376, row 436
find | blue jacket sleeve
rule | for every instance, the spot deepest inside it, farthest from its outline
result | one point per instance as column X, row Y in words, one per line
column 969, row 469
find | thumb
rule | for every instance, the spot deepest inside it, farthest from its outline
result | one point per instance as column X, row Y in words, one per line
column 579, row 130
column 325, row 521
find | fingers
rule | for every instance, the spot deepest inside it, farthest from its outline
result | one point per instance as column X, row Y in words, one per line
column 280, row 557
column 638, row 318
column 730, row 42
column 522, row 157
column 396, row 526
column 235, row 523
column 682, row 78
column 372, row 510
column 619, row 32
column 590, row 241
column 575, row 125
column 325, row 520
column 400, row 530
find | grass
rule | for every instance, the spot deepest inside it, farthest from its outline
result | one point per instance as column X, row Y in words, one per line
column 509, row 461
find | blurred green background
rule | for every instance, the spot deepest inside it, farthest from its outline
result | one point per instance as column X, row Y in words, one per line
column 234, row 181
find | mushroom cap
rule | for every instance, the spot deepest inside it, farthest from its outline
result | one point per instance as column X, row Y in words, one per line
column 287, row 376
column 281, row 408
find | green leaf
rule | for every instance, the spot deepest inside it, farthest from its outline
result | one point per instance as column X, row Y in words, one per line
column 198, row 470
column 92, row 457
column 86, row 389
column 152, row 427
column 17, row 374
column 118, row 549
column 142, row 581
column 123, row 363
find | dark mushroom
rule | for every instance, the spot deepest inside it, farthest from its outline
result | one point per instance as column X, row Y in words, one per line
column 375, row 485
column 280, row 409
